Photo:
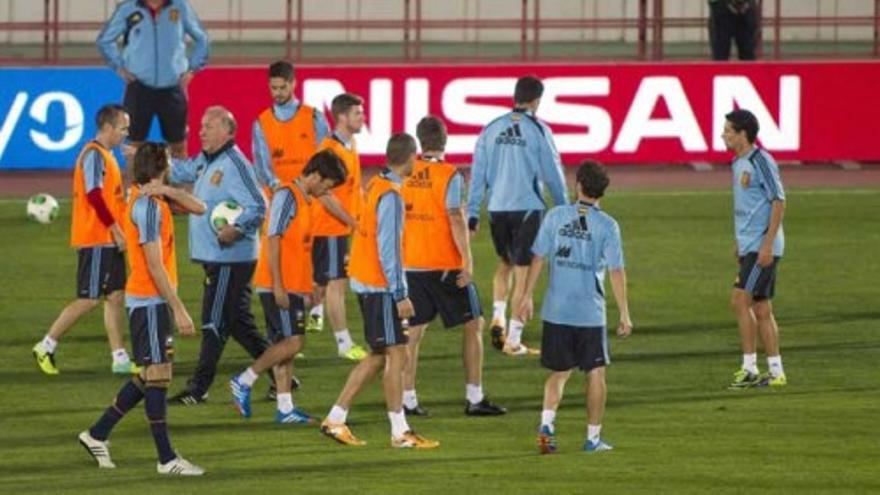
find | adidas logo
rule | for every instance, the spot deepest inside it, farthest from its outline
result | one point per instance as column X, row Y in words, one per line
column 576, row 229
column 563, row 252
column 512, row 135
column 421, row 179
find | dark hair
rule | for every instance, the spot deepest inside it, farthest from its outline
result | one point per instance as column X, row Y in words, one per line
column 342, row 103
column 328, row 166
column 592, row 178
column 282, row 69
column 528, row 88
column 108, row 114
column 400, row 147
column 744, row 120
column 431, row 132
column 150, row 161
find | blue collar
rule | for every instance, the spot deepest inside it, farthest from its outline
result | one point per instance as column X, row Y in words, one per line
column 210, row 157
column 389, row 174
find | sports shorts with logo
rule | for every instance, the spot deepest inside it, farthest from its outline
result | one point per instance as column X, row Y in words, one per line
column 564, row 347
column 283, row 323
column 329, row 258
column 513, row 233
column 758, row 281
column 151, row 334
column 382, row 325
column 437, row 291
column 100, row 271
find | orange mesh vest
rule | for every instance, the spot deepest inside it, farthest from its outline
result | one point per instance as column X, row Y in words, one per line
column 296, row 251
column 290, row 143
column 86, row 228
column 427, row 235
column 349, row 194
column 140, row 282
column 364, row 264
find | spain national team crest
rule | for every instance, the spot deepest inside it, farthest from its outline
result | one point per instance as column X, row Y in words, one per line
column 174, row 15
column 216, row 178
column 745, row 179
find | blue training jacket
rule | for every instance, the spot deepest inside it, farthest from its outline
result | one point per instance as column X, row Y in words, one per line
column 154, row 50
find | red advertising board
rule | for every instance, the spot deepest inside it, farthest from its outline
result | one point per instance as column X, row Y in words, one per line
column 616, row 113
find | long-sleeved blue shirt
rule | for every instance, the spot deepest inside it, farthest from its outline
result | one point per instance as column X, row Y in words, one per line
column 154, row 49
column 262, row 155
column 222, row 176
column 389, row 237
column 515, row 153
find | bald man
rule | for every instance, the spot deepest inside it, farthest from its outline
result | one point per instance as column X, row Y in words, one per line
column 221, row 173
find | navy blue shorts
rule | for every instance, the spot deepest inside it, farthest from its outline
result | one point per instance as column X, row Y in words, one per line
column 513, row 233
column 758, row 281
column 100, row 271
column 169, row 104
column 433, row 292
column 151, row 334
column 565, row 347
column 382, row 325
column 329, row 259
column 283, row 323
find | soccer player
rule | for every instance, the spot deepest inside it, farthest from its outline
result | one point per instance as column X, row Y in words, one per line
column 154, row 64
column 334, row 219
column 222, row 173
column 580, row 242
column 95, row 232
column 378, row 279
column 438, row 263
column 514, row 153
column 286, row 283
column 152, row 301
column 758, row 205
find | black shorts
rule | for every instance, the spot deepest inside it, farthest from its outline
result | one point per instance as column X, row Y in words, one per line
column 513, row 233
column 283, row 323
column 100, row 271
column 151, row 334
column 329, row 259
column 758, row 281
column 169, row 104
column 564, row 347
column 433, row 292
column 382, row 325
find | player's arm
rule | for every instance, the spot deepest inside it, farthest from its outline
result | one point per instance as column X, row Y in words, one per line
column 322, row 128
column 765, row 253
column 334, row 207
column 243, row 189
column 262, row 160
column 774, row 192
column 541, row 249
column 93, row 175
column 613, row 253
column 185, row 171
column 181, row 200
column 459, row 228
column 193, row 27
column 283, row 209
column 107, row 40
column 390, row 232
column 478, row 182
column 551, row 168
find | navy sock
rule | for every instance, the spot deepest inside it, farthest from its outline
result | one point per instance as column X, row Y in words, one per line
column 129, row 395
column 155, row 406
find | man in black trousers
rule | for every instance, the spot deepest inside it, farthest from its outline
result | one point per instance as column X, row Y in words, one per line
column 737, row 19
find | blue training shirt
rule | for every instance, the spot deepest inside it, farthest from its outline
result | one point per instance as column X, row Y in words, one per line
column 515, row 154
column 756, row 185
column 262, row 156
column 147, row 217
column 579, row 243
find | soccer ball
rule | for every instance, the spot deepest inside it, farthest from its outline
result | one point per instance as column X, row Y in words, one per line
column 42, row 208
column 225, row 214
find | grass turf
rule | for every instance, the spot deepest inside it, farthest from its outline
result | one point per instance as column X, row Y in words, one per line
column 674, row 425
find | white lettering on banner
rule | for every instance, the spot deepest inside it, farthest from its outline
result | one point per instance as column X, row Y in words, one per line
column 11, row 120
column 373, row 137
column 417, row 98
column 458, row 109
column 738, row 91
column 73, row 120
column 596, row 120
column 681, row 124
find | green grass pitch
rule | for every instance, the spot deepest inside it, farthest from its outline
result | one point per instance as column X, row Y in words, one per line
column 674, row 425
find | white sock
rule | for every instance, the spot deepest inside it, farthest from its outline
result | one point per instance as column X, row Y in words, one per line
column 514, row 332
column 548, row 416
column 474, row 393
column 285, row 403
column 248, row 377
column 750, row 363
column 499, row 310
column 343, row 340
column 337, row 414
column 317, row 311
column 120, row 356
column 775, row 365
column 49, row 344
column 410, row 400
column 593, row 432
column 399, row 425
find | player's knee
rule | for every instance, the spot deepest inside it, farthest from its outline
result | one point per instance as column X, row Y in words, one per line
column 740, row 300
column 763, row 310
column 116, row 297
column 158, row 375
column 88, row 304
column 596, row 376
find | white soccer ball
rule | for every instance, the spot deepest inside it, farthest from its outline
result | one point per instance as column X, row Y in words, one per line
column 225, row 214
column 42, row 208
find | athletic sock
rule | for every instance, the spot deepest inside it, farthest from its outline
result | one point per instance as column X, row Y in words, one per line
column 514, row 332
column 499, row 310
column 248, row 377
column 155, row 405
column 750, row 363
column 285, row 403
column 120, row 356
column 410, row 400
column 128, row 396
column 398, row 423
column 337, row 414
column 593, row 433
column 775, row 365
column 343, row 340
column 317, row 311
column 49, row 344
column 474, row 393
column 548, row 416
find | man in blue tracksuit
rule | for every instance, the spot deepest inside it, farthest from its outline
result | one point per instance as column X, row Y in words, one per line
column 154, row 64
column 515, row 153
column 229, row 255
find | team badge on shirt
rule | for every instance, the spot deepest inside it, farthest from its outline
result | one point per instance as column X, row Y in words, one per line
column 174, row 15
column 745, row 179
column 216, row 178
